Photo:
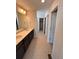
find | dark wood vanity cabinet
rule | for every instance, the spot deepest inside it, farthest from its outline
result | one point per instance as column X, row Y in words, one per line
column 27, row 40
column 26, row 43
column 22, row 47
column 20, row 50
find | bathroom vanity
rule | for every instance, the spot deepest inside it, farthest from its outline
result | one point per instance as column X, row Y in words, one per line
column 23, row 40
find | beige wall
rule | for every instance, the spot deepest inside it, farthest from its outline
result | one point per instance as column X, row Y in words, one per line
column 27, row 21
column 31, row 17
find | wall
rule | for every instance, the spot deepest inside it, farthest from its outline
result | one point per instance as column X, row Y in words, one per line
column 40, row 14
column 49, row 11
column 57, row 52
column 47, row 18
column 31, row 17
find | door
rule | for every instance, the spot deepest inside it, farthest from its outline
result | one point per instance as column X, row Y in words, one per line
column 53, row 24
column 45, row 25
column 41, row 24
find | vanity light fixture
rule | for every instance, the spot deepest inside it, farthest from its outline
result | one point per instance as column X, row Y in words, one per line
column 42, row 1
column 20, row 10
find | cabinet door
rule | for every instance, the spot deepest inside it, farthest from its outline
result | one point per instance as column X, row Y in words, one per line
column 20, row 51
column 27, row 40
column 26, row 43
column 31, row 34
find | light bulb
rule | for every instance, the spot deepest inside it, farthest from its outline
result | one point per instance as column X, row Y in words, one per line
column 24, row 12
column 42, row 1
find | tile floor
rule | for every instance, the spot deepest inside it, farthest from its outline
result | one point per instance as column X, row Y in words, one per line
column 39, row 48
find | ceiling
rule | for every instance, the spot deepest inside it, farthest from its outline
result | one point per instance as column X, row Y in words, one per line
column 34, row 4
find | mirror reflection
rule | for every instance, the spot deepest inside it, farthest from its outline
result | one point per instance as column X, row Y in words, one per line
column 21, row 21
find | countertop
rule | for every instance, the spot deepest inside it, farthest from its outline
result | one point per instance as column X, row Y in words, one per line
column 20, row 35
